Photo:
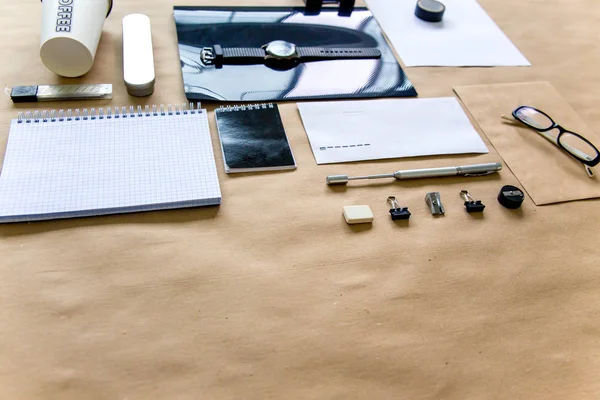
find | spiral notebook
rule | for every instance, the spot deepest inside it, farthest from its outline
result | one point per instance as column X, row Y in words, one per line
column 94, row 162
column 253, row 138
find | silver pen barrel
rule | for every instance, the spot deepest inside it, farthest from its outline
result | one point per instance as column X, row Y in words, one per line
column 426, row 173
column 463, row 170
column 479, row 169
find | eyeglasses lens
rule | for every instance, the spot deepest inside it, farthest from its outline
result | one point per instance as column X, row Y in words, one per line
column 533, row 118
column 577, row 146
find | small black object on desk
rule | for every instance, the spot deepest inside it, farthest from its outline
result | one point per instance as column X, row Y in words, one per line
column 511, row 197
column 430, row 10
column 397, row 212
column 474, row 206
column 471, row 204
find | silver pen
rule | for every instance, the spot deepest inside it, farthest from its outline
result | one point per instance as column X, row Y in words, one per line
column 463, row 170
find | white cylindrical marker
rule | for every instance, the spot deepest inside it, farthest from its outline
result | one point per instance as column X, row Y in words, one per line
column 138, row 57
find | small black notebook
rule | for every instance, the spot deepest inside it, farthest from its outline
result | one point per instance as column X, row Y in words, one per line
column 253, row 139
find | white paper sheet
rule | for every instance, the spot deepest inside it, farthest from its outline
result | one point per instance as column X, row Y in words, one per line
column 466, row 36
column 341, row 131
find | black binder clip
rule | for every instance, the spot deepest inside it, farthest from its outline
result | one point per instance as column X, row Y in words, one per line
column 313, row 7
column 471, row 204
column 397, row 212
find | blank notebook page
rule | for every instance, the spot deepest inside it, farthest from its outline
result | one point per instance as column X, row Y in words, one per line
column 75, row 168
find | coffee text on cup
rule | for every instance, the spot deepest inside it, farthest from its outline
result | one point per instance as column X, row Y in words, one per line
column 64, row 15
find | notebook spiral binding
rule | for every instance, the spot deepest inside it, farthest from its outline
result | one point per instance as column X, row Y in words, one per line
column 108, row 113
column 248, row 107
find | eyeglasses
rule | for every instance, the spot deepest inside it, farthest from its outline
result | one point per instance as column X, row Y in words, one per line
column 573, row 143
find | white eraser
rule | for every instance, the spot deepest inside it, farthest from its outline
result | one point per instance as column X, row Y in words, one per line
column 358, row 214
column 138, row 57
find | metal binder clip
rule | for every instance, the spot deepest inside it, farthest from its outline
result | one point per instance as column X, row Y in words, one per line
column 434, row 202
column 397, row 211
column 471, row 204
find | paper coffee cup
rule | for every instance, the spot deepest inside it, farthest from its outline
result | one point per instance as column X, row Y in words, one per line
column 71, row 30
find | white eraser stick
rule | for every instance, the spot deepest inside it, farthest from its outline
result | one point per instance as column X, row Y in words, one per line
column 138, row 57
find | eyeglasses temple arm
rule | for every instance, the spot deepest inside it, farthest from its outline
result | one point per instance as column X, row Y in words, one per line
column 510, row 119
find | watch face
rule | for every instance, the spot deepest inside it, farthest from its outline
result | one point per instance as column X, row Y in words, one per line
column 281, row 48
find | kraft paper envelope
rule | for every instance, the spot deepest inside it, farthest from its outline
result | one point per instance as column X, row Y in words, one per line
column 548, row 174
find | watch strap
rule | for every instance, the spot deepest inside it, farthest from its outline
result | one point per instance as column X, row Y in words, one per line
column 256, row 55
column 335, row 53
column 241, row 55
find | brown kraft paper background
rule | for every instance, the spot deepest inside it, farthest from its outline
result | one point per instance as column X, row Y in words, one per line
column 272, row 295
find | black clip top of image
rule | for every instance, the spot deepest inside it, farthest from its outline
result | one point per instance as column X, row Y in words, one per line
column 313, row 7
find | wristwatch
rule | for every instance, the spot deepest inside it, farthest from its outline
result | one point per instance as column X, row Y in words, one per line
column 280, row 50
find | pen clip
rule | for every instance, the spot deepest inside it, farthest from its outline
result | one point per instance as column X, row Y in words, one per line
column 480, row 173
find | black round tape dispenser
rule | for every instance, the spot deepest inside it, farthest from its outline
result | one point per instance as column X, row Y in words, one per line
column 430, row 10
column 511, row 197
